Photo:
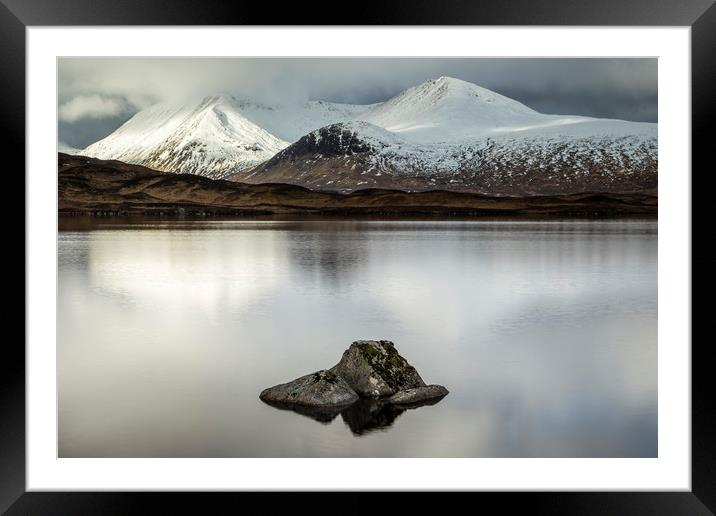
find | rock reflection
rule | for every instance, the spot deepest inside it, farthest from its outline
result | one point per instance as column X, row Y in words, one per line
column 323, row 415
column 368, row 415
column 362, row 417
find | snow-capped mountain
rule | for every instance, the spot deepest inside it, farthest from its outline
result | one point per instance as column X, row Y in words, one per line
column 452, row 110
column 348, row 156
column 209, row 138
column 442, row 134
column 447, row 109
column 453, row 135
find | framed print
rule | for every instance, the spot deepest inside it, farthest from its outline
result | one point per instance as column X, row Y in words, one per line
column 446, row 249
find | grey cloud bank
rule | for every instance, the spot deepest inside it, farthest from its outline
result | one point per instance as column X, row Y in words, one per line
column 96, row 95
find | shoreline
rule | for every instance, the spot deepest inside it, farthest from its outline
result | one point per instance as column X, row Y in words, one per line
column 67, row 223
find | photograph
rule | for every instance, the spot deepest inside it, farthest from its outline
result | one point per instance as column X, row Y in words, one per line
column 322, row 257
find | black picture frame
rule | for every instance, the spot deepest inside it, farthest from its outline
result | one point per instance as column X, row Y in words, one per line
column 17, row 15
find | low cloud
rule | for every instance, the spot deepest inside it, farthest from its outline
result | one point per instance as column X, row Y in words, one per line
column 92, row 106
column 112, row 89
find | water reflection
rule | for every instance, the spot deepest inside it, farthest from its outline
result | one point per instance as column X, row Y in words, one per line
column 544, row 332
column 321, row 414
column 367, row 415
column 333, row 255
column 364, row 416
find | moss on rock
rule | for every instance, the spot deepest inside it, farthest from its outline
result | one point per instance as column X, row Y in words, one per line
column 388, row 364
column 374, row 368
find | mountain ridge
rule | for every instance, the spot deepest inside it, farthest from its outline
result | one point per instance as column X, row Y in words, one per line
column 443, row 133
column 345, row 157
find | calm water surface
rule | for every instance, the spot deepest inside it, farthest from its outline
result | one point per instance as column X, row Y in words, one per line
column 544, row 332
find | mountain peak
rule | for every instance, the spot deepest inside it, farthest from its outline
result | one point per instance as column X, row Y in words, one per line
column 214, row 100
column 448, row 108
column 453, row 81
column 211, row 98
column 206, row 136
column 451, row 86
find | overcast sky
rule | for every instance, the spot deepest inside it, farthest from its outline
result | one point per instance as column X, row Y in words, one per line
column 97, row 95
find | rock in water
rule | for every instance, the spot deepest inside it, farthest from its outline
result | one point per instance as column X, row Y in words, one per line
column 371, row 369
column 374, row 368
column 320, row 389
column 419, row 395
